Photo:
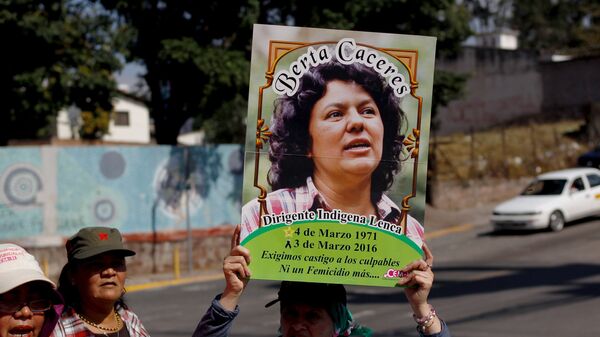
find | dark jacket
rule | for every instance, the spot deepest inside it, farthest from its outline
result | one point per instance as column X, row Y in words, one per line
column 217, row 321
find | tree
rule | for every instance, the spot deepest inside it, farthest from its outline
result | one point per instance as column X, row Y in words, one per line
column 196, row 54
column 489, row 15
column 545, row 26
column 569, row 26
column 61, row 53
column 444, row 19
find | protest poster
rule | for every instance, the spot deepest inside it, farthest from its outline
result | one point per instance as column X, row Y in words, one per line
column 336, row 154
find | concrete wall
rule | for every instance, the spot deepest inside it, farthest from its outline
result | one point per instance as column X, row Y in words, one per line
column 570, row 87
column 154, row 255
column 502, row 85
column 506, row 85
column 49, row 193
column 452, row 195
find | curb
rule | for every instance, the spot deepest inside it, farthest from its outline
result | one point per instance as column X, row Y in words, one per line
column 449, row 230
column 173, row 282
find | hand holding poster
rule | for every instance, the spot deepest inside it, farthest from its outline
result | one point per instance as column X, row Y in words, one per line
column 345, row 116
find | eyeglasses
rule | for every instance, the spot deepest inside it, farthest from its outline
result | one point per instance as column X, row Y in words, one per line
column 35, row 306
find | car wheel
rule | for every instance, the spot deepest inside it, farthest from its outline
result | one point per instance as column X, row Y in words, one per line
column 556, row 222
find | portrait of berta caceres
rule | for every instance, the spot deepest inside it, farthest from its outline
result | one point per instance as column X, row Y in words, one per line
column 337, row 130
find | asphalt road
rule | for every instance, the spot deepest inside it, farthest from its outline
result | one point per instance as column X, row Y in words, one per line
column 487, row 284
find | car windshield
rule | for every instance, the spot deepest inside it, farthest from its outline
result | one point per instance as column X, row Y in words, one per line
column 545, row 187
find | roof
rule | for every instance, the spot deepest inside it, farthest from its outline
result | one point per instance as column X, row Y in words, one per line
column 133, row 97
column 568, row 173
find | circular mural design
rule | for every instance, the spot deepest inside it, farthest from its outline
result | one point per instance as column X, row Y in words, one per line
column 104, row 210
column 112, row 165
column 21, row 186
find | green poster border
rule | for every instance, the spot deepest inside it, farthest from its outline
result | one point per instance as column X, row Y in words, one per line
column 296, row 269
column 264, row 229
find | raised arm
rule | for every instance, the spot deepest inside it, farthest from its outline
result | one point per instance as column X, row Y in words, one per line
column 219, row 317
column 236, row 272
column 418, row 280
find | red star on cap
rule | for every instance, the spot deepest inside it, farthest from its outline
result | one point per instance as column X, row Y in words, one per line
column 103, row 236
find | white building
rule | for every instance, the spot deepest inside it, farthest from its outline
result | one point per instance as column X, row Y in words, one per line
column 503, row 38
column 129, row 123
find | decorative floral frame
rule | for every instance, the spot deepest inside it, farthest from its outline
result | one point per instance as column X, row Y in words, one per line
column 408, row 58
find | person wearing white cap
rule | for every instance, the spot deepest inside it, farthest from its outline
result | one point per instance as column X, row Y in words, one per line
column 29, row 303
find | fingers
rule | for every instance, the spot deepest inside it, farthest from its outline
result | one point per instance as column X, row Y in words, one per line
column 418, row 279
column 236, row 271
column 417, row 265
column 241, row 251
column 236, row 265
column 237, row 262
column 235, row 237
column 417, row 273
column 422, row 264
column 421, row 279
column 237, row 274
column 428, row 254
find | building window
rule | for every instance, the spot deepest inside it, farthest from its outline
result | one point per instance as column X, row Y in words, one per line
column 122, row 118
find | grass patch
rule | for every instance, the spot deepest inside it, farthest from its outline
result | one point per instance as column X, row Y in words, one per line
column 508, row 152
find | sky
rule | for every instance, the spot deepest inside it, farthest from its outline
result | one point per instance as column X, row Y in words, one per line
column 129, row 79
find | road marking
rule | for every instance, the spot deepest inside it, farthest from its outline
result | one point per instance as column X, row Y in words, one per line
column 487, row 275
column 165, row 283
column 363, row 313
column 449, row 230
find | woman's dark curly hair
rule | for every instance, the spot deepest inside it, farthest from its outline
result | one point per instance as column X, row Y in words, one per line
column 291, row 141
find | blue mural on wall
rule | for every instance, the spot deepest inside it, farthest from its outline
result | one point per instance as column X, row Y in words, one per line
column 21, row 185
column 136, row 189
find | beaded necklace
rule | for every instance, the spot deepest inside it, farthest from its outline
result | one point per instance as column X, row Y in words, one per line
column 100, row 327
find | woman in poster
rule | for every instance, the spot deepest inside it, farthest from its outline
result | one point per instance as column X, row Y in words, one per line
column 335, row 144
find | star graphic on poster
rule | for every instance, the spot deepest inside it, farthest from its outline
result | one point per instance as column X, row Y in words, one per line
column 289, row 232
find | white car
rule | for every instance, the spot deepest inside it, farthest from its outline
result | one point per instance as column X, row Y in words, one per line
column 550, row 200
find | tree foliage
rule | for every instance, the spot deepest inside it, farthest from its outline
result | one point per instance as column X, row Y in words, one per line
column 545, row 26
column 197, row 60
column 197, row 53
column 558, row 25
column 58, row 53
column 489, row 15
column 446, row 20
column 443, row 19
